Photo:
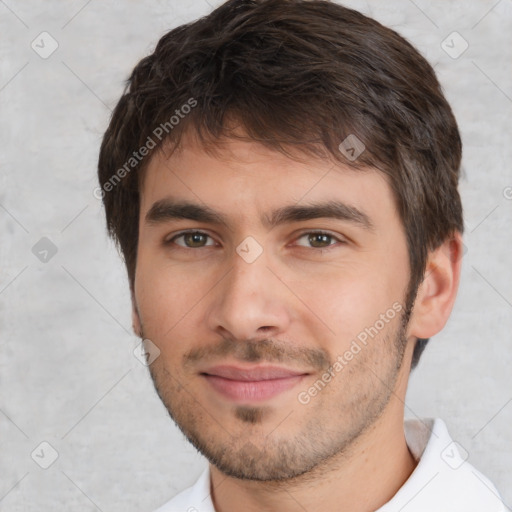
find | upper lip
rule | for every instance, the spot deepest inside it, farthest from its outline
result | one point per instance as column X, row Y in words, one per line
column 252, row 374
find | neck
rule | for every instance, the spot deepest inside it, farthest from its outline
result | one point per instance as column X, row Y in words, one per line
column 363, row 480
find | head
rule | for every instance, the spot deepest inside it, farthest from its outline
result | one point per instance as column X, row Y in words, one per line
column 313, row 161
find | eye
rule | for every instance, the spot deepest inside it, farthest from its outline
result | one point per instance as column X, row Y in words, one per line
column 318, row 240
column 191, row 240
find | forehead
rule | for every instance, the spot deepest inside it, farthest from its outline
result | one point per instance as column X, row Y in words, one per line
column 240, row 176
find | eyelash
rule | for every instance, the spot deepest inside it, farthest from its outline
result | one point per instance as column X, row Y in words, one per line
column 305, row 233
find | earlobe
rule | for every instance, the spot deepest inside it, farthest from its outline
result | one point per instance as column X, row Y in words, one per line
column 437, row 293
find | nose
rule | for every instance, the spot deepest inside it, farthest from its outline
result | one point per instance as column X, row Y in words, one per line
column 249, row 303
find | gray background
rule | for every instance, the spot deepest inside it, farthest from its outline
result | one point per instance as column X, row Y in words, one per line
column 68, row 373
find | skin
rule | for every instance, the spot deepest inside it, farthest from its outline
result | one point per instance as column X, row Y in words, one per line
column 299, row 304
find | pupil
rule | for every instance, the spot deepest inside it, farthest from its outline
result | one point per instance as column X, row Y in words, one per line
column 318, row 239
column 194, row 239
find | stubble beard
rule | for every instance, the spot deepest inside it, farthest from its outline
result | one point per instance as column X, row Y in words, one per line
column 247, row 448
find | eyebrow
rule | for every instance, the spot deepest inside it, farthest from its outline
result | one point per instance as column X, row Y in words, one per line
column 165, row 210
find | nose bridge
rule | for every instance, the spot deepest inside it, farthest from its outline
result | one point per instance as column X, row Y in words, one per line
column 247, row 299
column 247, row 282
column 246, row 277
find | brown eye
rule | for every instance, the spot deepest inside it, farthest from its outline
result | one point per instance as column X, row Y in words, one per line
column 318, row 240
column 192, row 240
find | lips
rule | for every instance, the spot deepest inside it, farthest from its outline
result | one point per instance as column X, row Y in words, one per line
column 251, row 384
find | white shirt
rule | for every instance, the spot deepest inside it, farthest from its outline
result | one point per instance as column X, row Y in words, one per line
column 441, row 482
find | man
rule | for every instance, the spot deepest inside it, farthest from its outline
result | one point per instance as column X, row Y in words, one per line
column 281, row 178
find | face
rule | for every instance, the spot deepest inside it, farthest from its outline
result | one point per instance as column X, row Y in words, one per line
column 274, row 290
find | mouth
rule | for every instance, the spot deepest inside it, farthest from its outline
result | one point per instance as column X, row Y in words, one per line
column 254, row 384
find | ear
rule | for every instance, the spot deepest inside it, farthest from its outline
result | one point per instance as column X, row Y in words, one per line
column 136, row 323
column 436, row 294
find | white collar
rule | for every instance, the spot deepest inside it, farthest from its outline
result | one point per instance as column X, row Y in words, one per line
column 443, row 481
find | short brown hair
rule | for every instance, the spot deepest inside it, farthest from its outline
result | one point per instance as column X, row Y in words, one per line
column 300, row 75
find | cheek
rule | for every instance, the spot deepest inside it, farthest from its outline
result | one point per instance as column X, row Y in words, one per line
column 167, row 297
column 347, row 300
column 351, row 308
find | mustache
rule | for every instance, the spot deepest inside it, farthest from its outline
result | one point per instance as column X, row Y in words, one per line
column 254, row 351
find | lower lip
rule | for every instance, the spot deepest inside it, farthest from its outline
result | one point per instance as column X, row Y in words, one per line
column 251, row 391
